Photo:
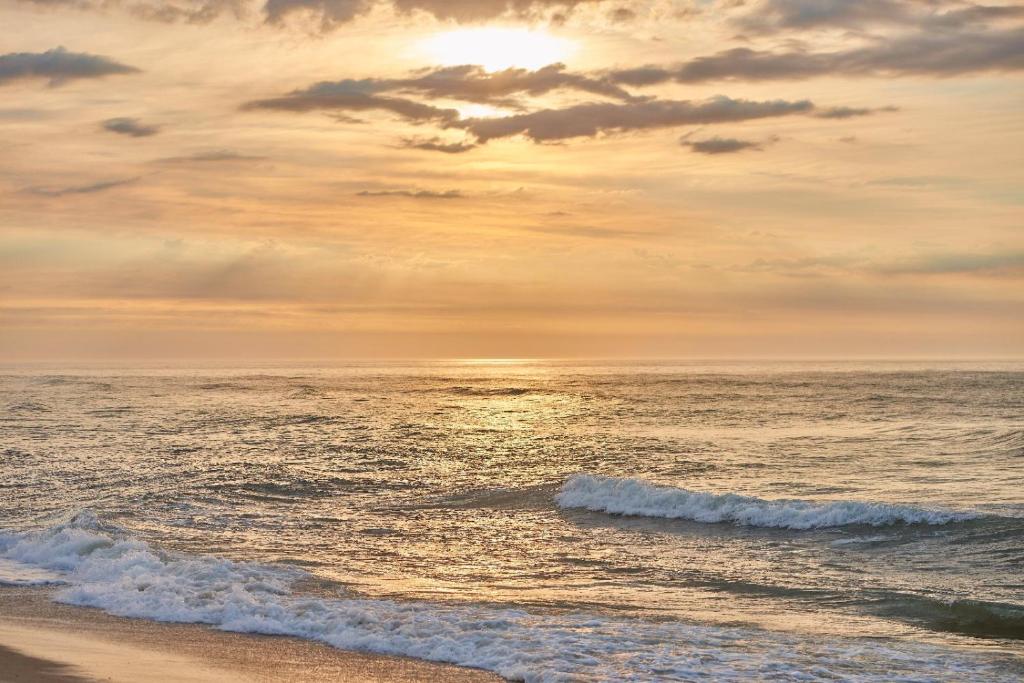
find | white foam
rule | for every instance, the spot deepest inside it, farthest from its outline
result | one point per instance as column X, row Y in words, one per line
column 637, row 497
column 13, row 573
column 860, row 540
column 127, row 577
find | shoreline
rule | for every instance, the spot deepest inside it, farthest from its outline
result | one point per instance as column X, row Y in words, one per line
column 46, row 642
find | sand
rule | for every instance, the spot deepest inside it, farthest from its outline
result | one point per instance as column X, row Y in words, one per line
column 44, row 642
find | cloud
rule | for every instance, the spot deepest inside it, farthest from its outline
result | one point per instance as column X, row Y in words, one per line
column 993, row 263
column 164, row 11
column 475, row 84
column 717, row 145
column 330, row 14
column 24, row 114
column 589, row 120
column 919, row 54
column 975, row 14
column 80, row 189
column 805, row 265
column 642, row 76
column 129, row 126
column 622, row 15
column 351, row 96
column 414, row 194
column 215, row 156
column 326, row 14
column 589, row 232
column 851, row 112
column 186, row 11
column 480, row 10
column 771, row 16
column 918, row 181
column 438, row 145
column 58, row 66
column 774, row 15
column 472, row 83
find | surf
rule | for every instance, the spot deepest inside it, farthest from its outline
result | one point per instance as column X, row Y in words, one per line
column 640, row 498
column 105, row 567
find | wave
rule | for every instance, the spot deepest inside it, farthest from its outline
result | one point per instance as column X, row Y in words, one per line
column 28, row 407
column 636, row 497
column 107, row 568
column 970, row 617
column 488, row 391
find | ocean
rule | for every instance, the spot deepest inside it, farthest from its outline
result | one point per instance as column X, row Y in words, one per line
column 545, row 520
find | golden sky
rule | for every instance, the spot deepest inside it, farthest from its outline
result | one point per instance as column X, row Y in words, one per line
column 506, row 178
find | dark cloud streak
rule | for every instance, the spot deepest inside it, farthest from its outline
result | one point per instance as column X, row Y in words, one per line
column 919, row 54
column 80, row 189
column 412, row 194
column 327, row 15
column 217, row 156
column 590, row 120
column 717, row 145
column 774, row 16
column 341, row 96
column 468, row 83
column 851, row 112
column 474, row 84
column 130, row 127
column 438, row 145
column 58, row 66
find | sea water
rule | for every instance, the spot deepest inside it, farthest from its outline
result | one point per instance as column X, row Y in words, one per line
column 548, row 521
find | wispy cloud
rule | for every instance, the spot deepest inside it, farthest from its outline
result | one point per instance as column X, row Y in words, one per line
column 717, row 145
column 467, row 83
column 1008, row 262
column 851, row 112
column 438, row 145
column 329, row 14
column 58, row 66
column 345, row 96
column 214, row 156
column 326, row 15
column 413, row 194
column 772, row 16
column 91, row 188
column 130, row 127
column 471, row 83
column 918, row 54
column 590, row 120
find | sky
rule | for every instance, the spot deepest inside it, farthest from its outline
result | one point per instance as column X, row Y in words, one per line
column 506, row 178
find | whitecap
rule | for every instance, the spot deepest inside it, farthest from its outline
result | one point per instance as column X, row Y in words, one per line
column 627, row 496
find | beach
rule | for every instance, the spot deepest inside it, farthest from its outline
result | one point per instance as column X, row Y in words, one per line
column 45, row 642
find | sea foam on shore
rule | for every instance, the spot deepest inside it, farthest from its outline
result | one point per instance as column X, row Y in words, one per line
column 109, row 569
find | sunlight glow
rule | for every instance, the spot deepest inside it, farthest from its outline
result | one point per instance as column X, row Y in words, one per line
column 498, row 48
column 479, row 111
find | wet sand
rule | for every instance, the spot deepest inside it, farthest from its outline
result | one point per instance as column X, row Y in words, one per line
column 44, row 642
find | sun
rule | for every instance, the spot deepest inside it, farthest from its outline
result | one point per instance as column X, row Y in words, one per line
column 498, row 48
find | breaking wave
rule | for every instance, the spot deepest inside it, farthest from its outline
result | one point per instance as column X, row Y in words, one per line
column 105, row 567
column 626, row 496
